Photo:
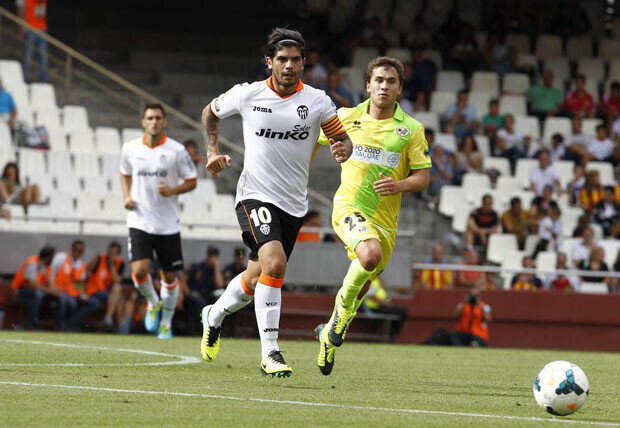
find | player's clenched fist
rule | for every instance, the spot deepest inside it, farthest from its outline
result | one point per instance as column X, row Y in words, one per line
column 130, row 204
column 216, row 164
column 341, row 150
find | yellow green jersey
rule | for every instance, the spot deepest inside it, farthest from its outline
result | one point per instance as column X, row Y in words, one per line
column 393, row 146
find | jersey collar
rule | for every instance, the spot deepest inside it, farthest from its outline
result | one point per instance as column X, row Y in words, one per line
column 298, row 88
column 162, row 140
column 398, row 113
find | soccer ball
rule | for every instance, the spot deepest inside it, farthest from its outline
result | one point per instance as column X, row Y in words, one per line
column 561, row 388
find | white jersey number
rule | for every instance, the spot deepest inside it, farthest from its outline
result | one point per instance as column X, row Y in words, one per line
column 262, row 215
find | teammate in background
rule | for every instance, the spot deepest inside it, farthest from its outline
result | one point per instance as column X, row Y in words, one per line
column 32, row 282
column 151, row 168
column 390, row 157
column 282, row 119
column 103, row 286
column 68, row 274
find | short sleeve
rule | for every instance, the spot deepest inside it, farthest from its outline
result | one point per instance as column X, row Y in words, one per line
column 330, row 122
column 185, row 166
column 11, row 102
column 328, row 109
column 418, row 152
column 228, row 103
column 125, row 164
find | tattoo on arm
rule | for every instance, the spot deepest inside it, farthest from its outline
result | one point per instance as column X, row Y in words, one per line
column 210, row 130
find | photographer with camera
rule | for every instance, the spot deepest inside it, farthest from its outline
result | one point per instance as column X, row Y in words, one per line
column 474, row 318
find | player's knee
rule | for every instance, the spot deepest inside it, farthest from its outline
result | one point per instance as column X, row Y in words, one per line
column 140, row 270
column 170, row 277
column 370, row 257
column 275, row 266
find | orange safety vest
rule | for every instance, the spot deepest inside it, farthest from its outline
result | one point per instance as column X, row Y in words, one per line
column 472, row 321
column 304, row 236
column 36, row 13
column 617, row 194
column 67, row 277
column 435, row 278
column 101, row 279
column 589, row 200
column 19, row 280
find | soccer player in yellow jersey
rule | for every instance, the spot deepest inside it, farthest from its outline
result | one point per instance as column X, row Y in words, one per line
column 390, row 157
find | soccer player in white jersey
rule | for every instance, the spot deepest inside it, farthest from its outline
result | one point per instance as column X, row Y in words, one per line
column 282, row 119
column 152, row 167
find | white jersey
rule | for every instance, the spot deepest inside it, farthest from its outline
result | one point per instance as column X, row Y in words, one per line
column 279, row 134
column 169, row 163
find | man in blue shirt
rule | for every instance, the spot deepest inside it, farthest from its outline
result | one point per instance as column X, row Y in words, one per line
column 8, row 110
column 460, row 118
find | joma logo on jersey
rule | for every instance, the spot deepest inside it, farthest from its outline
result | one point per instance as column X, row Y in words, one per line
column 261, row 109
column 299, row 132
column 158, row 173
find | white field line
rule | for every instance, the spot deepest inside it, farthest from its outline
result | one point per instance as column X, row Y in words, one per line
column 310, row 403
column 179, row 359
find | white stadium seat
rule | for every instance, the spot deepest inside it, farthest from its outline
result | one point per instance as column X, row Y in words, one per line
column 605, row 171
column 472, row 182
column 516, row 83
column 114, row 207
column 514, row 104
column 86, row 164
column 42, row 95
column 68, row 184
column 447, row 141
column 206, row 187
column 482, row 141
column 614, row 69
column 429, row 119
column 74, row 117
column 498, row 163
column 570, row 217
column 485, row 81
column 598, row 231
column 108, row 140
column 82, row 141
column 362, row 56
column 451, row 197
column 11, row 71
column 527, row 61
column 561, row 70
column 506, row 185
column 6, row 141
column 588, row 126
column 129, row 134
column 433, row 55
column 512, row 259
column 499, row 244
column 592, row 68
column 62, row 205
column 480, row 101
column 110, row 166
column 459, row 220
column 59, row 163
column 554, row 125
column 564, row 171
column 520, row 42
column 546, row 260
column 578, row 47
column 57, row 139
column 403, row 55
column 441, row 100
column 524, row 169
column 548, row 45
column 89, row 206
column 611, row 247
column 96, row 185
column 593, row 288
column 608, row 49
column 25, row 114
column 19, row 91
column 450, row 81
column 526, row 196
column 31, row 162
column 528, row 125
column 48, row 117
column 353, row 79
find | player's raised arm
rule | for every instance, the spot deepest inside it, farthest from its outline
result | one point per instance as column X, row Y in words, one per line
column 210, row 133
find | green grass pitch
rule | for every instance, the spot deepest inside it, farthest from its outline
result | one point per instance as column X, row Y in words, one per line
column 110, row 380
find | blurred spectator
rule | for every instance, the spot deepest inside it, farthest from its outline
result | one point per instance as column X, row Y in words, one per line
column 68, row 273
column 577, row 148
column 543, row 202
column 238, row 265
column 442, row 172
column 468, row 158
column 8, row 109
column 543, row 175
column 517, row 221
column 511, row 143
column 460, row 117
column 194, row 154
column 377, row 301
column 596, row 263
column 549, row 231
column 357, row 22
column 562, row 282
column 315, row 73
column 583, row 222
column 579, row 102
column 474, row 319
column 336, row 91
column 576, row 183
column 436, row 278
column 311, row 220
column 374, row 34
column 592, row 191
column 429, row 134
column 526, row 281
column 412, row 107
column 498, row 56
column 464, row 55
column 492, row 121
column 419, row 75
column 615, row 130
column 103, row 286
column 558, row 149
column 199, row 284
column 472, row 279
column 420, row 102
column 32, row 282
column 406, row 105
column 609, row 105
column 607, row 214
column 482, row 223
column 582, row 250
column 545, row 100
column 34, row 12
column 601, row 147
column 12, row 191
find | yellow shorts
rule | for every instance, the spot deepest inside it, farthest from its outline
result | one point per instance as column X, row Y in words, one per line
column 352, row 227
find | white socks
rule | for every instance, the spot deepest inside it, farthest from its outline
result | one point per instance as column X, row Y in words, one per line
column 268, row 300
column 169, row 297
column 235, row 297
column 145, row 287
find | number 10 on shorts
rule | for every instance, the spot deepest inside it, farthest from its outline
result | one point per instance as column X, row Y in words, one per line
column 261, row 217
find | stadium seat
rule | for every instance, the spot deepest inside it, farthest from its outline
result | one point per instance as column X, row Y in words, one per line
column 68, row 184
column 516, row 83
column 59, row 164
column 498, row 163
column 459, row 220
column 451, row 197
column 48, row 117
column 546, row 260
column 512, row 259
column 433, row 55
column 62, row 205
column 611, row 247
column 114, row 207
column 482, row 141
column 564, row 171
column 561, row 70
column 499, row 244
column 25, row 114
column 528, row 125
column 31, row 162
column 19, row 91
column 6, row 141
column 526, row 196
column 528, row 61
column 106, row 229
column 567, row 245
column 42, row 95
column 447, row 141
column 531, row 241
column 608, row 49
column 480, row 101
column 524, row 169
column 614, row 69
column 514, row 104
column 403, row 55
column 82, row 141
column 605, row 170
column 472, row 182
column 498, row 204
column 547, row 46
column 578, row 47
column 520, row 42
column 429, row 119
column 129, row 134
column 96, row 185
column 362, row 56
column 441, row 100
column 57, row 139
column 44, row 181
column 450, row 81
column 108, row 140
column 86, row 164
column 11, row 71
column 588, row 126
column 206, row 187
column 485, row 81
column 353, row 79
column 89, row 206
column 570, row 217
column 7, row 154
column 592, row 68
column 552, row 125
column 506, row 185
column 74, row 117
column 110, row 165
column 598, row 231
column 593, row 288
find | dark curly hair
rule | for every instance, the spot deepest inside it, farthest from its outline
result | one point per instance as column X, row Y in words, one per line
column 284, row 38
